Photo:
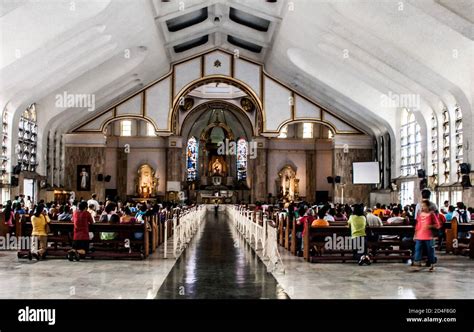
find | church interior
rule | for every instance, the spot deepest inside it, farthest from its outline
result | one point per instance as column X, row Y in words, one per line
column 212, row 149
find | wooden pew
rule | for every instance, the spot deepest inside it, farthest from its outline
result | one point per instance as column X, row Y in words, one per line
column 379, row 250
column 452, row 230
column 61, row 237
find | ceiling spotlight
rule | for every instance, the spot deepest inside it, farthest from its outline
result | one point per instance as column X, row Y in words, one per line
column 217, row 20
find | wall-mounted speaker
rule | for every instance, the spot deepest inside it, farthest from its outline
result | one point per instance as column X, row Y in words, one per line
column 337, row 179
column 14, row 181
column 464, row 168
column 17, row 169
column 423, row 183
column 466, row 181
column 330, row 179
column 421, row 173
column 107, row 178
column 100, row 177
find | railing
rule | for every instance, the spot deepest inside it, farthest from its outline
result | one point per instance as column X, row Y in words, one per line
column 262, row 236
column 184, row 226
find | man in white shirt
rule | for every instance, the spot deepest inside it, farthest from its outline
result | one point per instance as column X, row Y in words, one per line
column 93, row 201
column 373, row 220
column 396, row 219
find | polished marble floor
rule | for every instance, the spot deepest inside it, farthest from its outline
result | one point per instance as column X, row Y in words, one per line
column 219, row 264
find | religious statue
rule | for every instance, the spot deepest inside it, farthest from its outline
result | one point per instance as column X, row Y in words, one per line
column 147, row 183
column 217, row 167
column 288, row 183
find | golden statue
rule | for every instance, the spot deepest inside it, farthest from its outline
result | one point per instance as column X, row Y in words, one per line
column 217, row 167
column 147, row 183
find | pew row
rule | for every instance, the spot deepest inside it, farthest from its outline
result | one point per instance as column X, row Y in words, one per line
column 385, row 243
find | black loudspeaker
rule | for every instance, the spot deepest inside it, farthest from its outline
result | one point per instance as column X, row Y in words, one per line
column 464, row 168
column 17, row 169
column 14, row 181
column 100, row 177
column 330, row 179
column 466, row 181
column 423, row 184
column 337, row 179
column 421, row 173
column 107, row 178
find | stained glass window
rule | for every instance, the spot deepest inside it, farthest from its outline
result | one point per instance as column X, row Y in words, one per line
column 242, row 150
column 192, row 159
column 27, row 140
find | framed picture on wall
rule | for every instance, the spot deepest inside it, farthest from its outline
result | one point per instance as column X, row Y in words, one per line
column 83, row 177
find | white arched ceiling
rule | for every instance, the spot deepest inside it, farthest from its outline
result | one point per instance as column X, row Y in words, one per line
column 343, row 54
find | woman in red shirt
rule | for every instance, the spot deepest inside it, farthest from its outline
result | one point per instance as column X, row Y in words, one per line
column 426, row 222
column 81, row 219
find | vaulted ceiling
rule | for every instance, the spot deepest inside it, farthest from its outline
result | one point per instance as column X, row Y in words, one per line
column 343, row 54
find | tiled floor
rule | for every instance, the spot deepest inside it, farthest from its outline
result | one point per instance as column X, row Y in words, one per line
column 203, row 265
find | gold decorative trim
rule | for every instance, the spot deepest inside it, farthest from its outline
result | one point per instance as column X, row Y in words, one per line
column 260, row 100
column 217, row 104
column 212, row 78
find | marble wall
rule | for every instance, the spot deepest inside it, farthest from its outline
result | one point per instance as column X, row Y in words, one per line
column 90, row 155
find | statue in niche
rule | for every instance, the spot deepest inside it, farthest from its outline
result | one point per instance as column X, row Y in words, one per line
column 288, row 184
column 147, row 183
column 217, row 167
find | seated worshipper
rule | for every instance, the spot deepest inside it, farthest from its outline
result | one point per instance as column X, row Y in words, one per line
column 378, row 210
column 445, row 208
column 396, row 218
column 330, row 215
column 39, row 235
column 65, row 215
column 471, row 212
column 426, row 222
column 19, row 209
column 320, row 222
column 357, row 223
column 340, row 215
column 91, row 210
column 109, row 216
column 140, row 216
column 373, row 220
column 80, row 245
column 53, row 212
column 127, row 218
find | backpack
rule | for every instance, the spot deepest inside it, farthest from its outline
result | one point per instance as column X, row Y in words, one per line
column 462, row 216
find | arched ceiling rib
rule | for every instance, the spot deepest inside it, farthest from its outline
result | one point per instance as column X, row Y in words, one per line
column 112, row 48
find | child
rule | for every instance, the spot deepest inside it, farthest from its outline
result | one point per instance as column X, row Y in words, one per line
column 426, row 222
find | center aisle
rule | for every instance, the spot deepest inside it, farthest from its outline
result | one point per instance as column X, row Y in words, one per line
column 218, row 264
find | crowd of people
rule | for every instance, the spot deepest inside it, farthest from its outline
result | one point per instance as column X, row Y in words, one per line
column 425, row 216
column 81, row 213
